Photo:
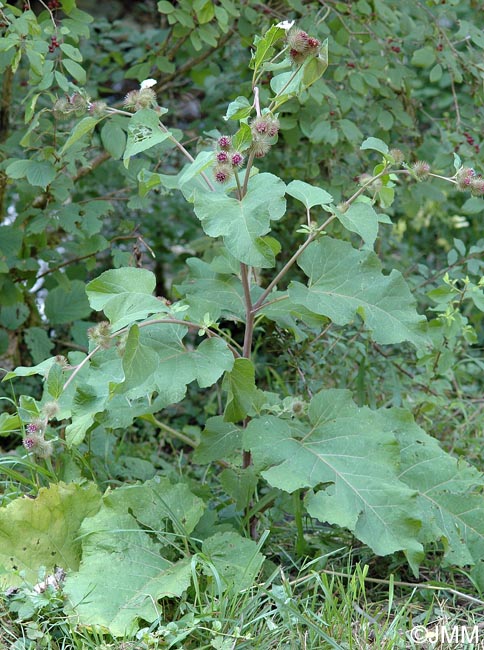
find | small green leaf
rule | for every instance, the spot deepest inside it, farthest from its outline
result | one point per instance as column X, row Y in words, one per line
column 144, row 132
column 71, row 51
column 308, row 194
column 241, row 390
column 113, row 138
column 238, row 109
column 75, row 70
column 81, row 129
column 55, row 381
column 375, row 144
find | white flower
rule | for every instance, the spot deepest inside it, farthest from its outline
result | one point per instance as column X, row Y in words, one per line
column 285, row 25
column 148, row 83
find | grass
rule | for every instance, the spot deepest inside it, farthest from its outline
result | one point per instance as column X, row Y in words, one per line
column 307, row 609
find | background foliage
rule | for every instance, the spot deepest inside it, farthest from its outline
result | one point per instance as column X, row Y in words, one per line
column 94, row 220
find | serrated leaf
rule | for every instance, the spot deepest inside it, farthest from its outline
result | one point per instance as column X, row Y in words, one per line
column 308, row 194
column 64, row 305
column 264, row 46
column 139, row 362
column 119, row 281
column 144, row 132
column 44, row 532
column 344, row 282
column 126, row 308
column 123, row 571
column 38, row 342
column 218, row 440
column 352, row 452
column 55, row 381
column 242, row 224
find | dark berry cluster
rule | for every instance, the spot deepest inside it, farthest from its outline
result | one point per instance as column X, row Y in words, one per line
column 301, row 45
column 53, row 5
column 54, row 43
column 471, row 141
column 227, row 159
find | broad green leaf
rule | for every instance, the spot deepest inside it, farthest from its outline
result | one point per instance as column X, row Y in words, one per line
column 124, row 571
column 344, row 282
column 236, row 559
column 119, row 281
column 362, row 219
column 71, row 51
column 85, row 126
column 241, row 391
column 176, row 365
column 126, row 308
column 375, row 144
column 144, row 132
column 308, row 194
column 44, row 532
column 64, row 305
column 38, row 173
column 450, row 500
column 350, row 451
column 219, row 439
column 242, row 224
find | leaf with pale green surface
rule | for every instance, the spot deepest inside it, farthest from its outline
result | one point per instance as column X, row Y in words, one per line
column 308, row 194
column 345, row 282
column 242, row 224
column 123, row 571
column 44, row 532
column 119, row 281
column 362, row 219
column 354, row 453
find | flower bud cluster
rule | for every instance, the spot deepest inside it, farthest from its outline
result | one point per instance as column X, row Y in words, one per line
column 226, row 159
column 66, row 107
column 301, row 45
column 34, row 439
column 100, row 334
column 264, row 129
column 467, row 179
column 421, row 170
column 145, row 97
